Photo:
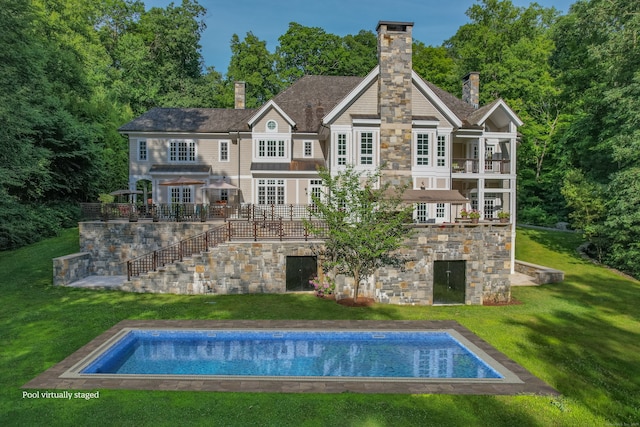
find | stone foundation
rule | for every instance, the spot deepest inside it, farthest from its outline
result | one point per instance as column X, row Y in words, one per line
column 260, row 267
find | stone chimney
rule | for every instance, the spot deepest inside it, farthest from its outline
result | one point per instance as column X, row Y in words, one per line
column 394, row 95
column 471, row 89
column 240, row 95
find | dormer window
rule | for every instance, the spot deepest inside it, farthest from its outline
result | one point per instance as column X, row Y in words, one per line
column 272, row 126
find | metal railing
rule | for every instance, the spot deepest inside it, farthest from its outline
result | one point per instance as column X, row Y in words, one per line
column 502, row 166
column 176, row 252
column 233, row 230
column 191, row 212
column 279, row 229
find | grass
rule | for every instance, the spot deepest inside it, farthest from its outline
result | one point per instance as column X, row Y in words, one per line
column 582, row 337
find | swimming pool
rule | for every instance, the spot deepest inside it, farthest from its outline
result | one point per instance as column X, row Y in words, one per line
column 68, row 373
column 282, row 353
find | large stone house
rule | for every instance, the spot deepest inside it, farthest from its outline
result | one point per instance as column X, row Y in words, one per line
column 452, row 152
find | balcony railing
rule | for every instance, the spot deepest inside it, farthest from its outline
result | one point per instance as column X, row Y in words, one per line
column 502, row 166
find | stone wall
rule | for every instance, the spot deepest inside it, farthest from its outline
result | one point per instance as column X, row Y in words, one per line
column 485, row 248
column 260, row 267
column 111, row 244
column 71, row 268
column 230, row 268
column 540, row 274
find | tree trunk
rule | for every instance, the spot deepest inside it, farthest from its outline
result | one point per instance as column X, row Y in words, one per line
column 356, row 284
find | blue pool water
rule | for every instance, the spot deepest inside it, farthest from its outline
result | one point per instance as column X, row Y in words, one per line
column 291, row 354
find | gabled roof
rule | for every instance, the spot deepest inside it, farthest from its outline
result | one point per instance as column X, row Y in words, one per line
column 479, row 116
column 308, row 100
column 196, row 120
column 265, row 108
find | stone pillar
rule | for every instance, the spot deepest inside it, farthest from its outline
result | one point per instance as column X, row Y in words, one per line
column 471, row 89
column 240, row 97
column 394, row 97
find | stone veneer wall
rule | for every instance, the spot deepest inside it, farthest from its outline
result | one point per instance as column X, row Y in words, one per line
column 394, row 97
column 485, row 248
column 111, row 244
column 71, row 268
column 230, row 268
column 260, row 267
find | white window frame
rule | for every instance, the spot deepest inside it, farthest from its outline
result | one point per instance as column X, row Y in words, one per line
column 180, row 195
column 223, row 151
column 307, row 153
column 372, row 156
column 441, row 150
column 315, row 188
column 424, row 160
column 273, row 148
column 275, row 126
column 176, row 154
column 270, row 191
column 143, row 148
column 441, row 210
column 340, row 159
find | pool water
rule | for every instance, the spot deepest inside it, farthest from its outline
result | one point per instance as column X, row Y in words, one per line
column 388, row 354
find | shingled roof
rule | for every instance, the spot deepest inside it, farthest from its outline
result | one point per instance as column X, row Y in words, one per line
column 197, row 120
column 306, row 102
column 310, row 98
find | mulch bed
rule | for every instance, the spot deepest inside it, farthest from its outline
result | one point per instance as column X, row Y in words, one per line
column 360, row 302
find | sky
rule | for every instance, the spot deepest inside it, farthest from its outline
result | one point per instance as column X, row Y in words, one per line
column 434, row 20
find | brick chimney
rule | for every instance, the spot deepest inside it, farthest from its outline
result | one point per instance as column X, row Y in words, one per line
column 240, row 95
column 471, row 89
column 394, row 95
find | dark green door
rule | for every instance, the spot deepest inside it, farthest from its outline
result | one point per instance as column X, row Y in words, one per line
column 301, row 269
column 449, row 282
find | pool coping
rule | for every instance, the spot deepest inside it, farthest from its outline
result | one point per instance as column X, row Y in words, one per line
column 54, row 378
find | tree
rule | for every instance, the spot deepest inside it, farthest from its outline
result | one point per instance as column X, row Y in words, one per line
column 365, row 223
column 435, row 65
column 253, row 64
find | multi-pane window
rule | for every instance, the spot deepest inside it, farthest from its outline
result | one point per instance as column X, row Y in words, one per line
column 142, row 149
column 271, row 148
column 440, row 210
column 271, row 191
column 182, row 151
column 366, row 148
column 441, row 151
column 342, row 149
column 308, row 149
column 422, row 149
column 224, row 195
column 489, row 207
column 488, row 152
column 181, row 195
column 315, row 189
column 422, row 213
column 224, row 151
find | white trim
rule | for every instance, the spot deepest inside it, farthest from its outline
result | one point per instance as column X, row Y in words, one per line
column 434, row 99
column 220, row 143
column 186, row 141
column 304, row 149
column 146, row 149
column 367, row 122
column 509, row 111
column 265, row 108
column 348, row 100
column 277, row 137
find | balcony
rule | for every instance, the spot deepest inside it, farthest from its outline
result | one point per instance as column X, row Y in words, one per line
column 477, row 166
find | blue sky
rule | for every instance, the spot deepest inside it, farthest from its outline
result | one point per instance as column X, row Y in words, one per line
column 435, row 21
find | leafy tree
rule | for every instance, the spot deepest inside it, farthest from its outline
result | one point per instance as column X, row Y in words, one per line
column 365, row 224
column 598, row 63
column 252, row 63
column 511, row 47
column 436, row 65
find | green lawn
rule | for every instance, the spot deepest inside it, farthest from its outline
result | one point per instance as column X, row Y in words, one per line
column 582, row 337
